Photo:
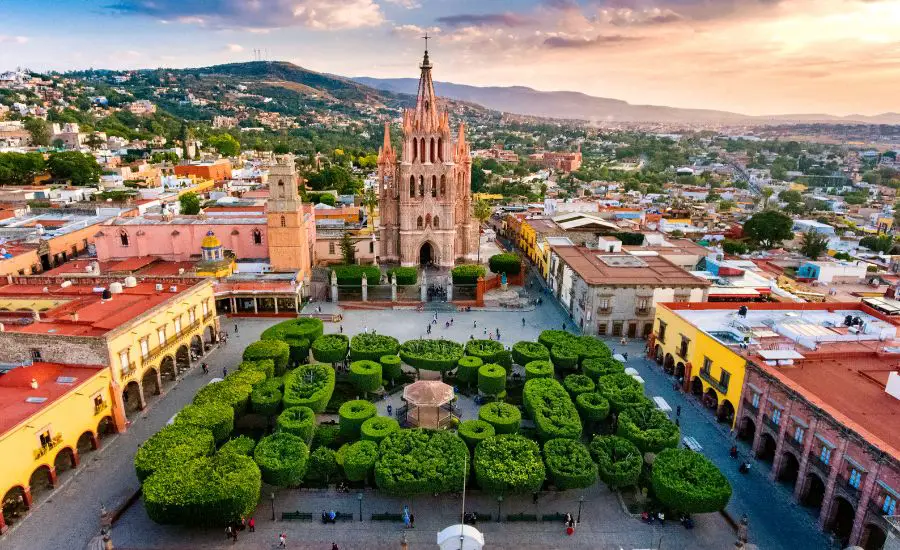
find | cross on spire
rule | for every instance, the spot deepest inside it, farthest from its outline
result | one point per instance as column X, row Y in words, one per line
column 426, row 37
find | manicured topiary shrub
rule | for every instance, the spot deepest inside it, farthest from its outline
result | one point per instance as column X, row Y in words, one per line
column 419, row 461
column 525, row 352
column 489, row 351
column 309, row 386
column 276, row 350
column 550, row 338
column 405, row 275
column 359, row 460
column 228, row 391
column 252, row 376
column 569, row 464
column 365, row 375
column 467, row 370
column 688, row 482
column 622, row 391
column 203, row 491
column 330, row 348
column 566, row 348
column 508, row 464
column 377, row 428
column 576, row 384
column 507, row 263
column 538, row 369
column 265, row 366
column 618, row 460
column 564, row 357
column 648, row 428
column 352, row 415
column 467, row 274
column 597, row 367
column 434, row 355
column 327, row 435
column 505, row 418
column 298, row 421
column 215, row 417
column 491, row 379
column 266, row 397
column 551, row 408
column 322, row 465
column 298, row 334
column 241, row 445
column 474, row 432
column 591, row 348
column 172, row 444
column 592, row 407
column 391, row 367
column 372, row 347
column 351, row 275
column 282, row 458
column 339, row 454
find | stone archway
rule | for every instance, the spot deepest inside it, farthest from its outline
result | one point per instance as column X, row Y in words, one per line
column 747, row 431
column 767, row 447
column 40, row 484
column 197, row 345
column 427, row 254
column 87, row 442
column 696, row 387
column 15, row 505
column 132, row 398
column 679, row 370
column 209, row 334
column 150, row 383
column 813, row 492
column 669, row 364
column 167, row 369
column 659, row 354
column 841, row 519
column 711, row 399
column 790, row 468
column 105, row 428
column 726, row 412
column 182, row 359
column 873, row 537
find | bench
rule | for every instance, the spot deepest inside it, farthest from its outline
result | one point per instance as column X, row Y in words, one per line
column 553, row 517
column 296, row 516
column 387, row 517
column 521, row 517
column 479, row 518
column 343, row 517
column 692, row 444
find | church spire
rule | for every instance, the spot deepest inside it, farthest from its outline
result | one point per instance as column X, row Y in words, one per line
column 426, row 116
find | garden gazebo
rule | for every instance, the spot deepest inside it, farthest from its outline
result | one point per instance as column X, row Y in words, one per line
column 428, row 403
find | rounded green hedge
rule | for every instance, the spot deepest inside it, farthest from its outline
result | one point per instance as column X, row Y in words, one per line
column 507, row 262
column 339, row 454
column 322, row 464
column 564, row 357
column 419, row 461
column 215, row 417
column 372, row 346
column 352, row 415
column 688, row 482
column 538, row 369
column 592, row 407
column 266, row 397
column 405, row 275
column 365, row 375
column 491, row 379
column 330, row 348
column 377, row 428
column 351, row 275
column 648, row 428
column 622, row 391
column 276, row 350
column 265, row 366
column 467, row 274
column 619, row 461
column 525, row 352
column 298, row 334
column 474, row 432
column 569, row 464
column 551, row 408
column 298, row 421
column 251, row 376
column 359, row 460
column 309, row 386
column 505, row 418
column 391, row 367
column 172, row 444
column 205, row 491
column 234, row 394
column 435, row 355
column 576, row 384
column 550, row 338
column 489, row 351
column 282, row 458
column 591, row 348
column 242, row 445
column 467, row 369
column 508, row 464
column 597, row 367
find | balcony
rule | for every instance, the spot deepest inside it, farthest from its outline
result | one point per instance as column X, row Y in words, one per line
column 823, row 467
column 46, row 448
column 875, row 504
column 100, row 407
column 682, row 352
column 798, row 445
column 850, row 490
column 642, row 311
column 174, row 342
column 768, row 421
column 748, row 405
column 661, row 337
column 705, row 375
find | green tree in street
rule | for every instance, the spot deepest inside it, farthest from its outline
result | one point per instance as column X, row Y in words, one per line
column 39, row 131
column 348, row 249
column 190, row 204
column 767, row 193
column 74, row 167
column 20, row 168
column 225, row 144
column 94, row 141
column 370, row 201
column 813, row 244
column 768, row 228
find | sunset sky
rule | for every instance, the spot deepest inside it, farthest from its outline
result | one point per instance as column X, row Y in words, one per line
column 749, row 56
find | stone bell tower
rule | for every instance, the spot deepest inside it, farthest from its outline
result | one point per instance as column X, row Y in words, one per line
column 287, row 231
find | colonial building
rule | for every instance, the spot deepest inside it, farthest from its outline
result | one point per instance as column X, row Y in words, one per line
column 289, row 248
column 425, row 200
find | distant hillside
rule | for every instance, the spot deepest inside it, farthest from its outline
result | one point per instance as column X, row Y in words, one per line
column 576, row 105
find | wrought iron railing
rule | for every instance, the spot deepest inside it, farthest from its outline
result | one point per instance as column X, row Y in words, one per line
column 100, row 407
column 750, row 406
column 156, row 352
column 713, row 382
column 821, row 465
column 768, row 421
column 47, row 447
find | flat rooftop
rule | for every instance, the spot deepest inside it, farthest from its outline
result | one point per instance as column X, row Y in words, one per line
column 248, row 219
column 19, row 401
column 599, row 268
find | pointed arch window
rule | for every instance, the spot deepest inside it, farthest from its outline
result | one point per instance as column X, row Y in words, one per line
column 415, row 150
column 422, row 149
column 419, row 223
column 257, row 234
column 432, row 151
column 421, row 186
column 440, row 151
column 436, row 223
column 412, row 186
column 283, row 222
column 123, row 237
column 427, row 220
column 281, row 193
column 443, row 185
column 433, row 186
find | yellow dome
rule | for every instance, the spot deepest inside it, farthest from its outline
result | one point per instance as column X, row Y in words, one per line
column 210, row 241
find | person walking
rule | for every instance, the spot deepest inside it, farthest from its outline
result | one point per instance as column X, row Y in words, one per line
column 523, row 321
column 224, row 371
column 412, row 521
column 235, row 328
column 282, row 541
column 334, row 546
column 678, row 410
column 341, row 327
column 205, row 368
column 475, row 324
column 228, row 531
column 252, row 525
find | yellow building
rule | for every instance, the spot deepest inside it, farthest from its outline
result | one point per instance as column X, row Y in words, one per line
column 52, row 415
column 689, row 341
column 215, row 262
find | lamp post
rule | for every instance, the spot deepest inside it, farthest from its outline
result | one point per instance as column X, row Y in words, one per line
column 272, row 496
column 580, row 504
column 359, row 498
column 499, row 502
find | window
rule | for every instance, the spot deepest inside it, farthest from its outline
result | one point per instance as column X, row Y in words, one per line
column 177, row 326
column 434, row 186
column 123, row 237
column 36, row 354
column 432, row 150
column 205, row 308
column 415, row 150
column 683, row 349
column 283, row 222
column 707, row 366
column 331, row 247
column 371, row 247
column 124, row 362
column 662, row 331
column 257, row 234
column 617, row 328
column 422, row 183
column 605, row 305
column 427, row 220
column 798, row 434
column 145, row 347
column 724, row 379
column 435, row 223
column 161, row 334
column 643, row 305
column 755, row 400
column 440, row 149
column 443, row 185
column 825, row 455
column 280, row 189
column 601, row 329
column 776, row 416
column 192, row 316
column 419, row 223
column 412, row 186
column 890, row 505
column 855, row 478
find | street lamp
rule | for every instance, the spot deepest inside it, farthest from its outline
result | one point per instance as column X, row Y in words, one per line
column 499, row 502
column 359, row 498
column 272, row 496
column 580, row 504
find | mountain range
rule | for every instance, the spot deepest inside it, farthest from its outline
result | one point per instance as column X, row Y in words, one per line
column 576, row 105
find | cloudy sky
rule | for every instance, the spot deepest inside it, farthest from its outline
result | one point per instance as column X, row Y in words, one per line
column 749, row 56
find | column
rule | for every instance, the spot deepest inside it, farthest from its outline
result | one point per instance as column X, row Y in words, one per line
column 804, row 460
column 365, row 289
column 276, row 304
column 76, row 460
column 779, row 443
column 865, row 496
column 3, row 526
column 53, row 479
column 255, row 305
column 757, row 435
column 158, row 381
column 393, row 287
column 296, row 304
column 423, row 290
column 837, row 456
column 449, row 289
column 233, row 305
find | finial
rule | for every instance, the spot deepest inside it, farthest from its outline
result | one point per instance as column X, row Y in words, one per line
column 426, row 37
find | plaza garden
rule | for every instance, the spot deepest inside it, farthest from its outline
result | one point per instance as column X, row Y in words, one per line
column 559, row 414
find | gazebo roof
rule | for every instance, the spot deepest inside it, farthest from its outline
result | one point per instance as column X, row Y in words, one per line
column 428, row 393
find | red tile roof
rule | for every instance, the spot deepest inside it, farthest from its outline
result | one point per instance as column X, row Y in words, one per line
column 638, row 270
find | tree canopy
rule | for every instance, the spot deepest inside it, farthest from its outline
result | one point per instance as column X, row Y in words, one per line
column 769, row 228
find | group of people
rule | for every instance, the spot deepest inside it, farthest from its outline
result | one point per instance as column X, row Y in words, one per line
column 329, row 517
column 234, row 527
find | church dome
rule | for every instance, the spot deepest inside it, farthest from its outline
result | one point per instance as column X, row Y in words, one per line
column 210, row 241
